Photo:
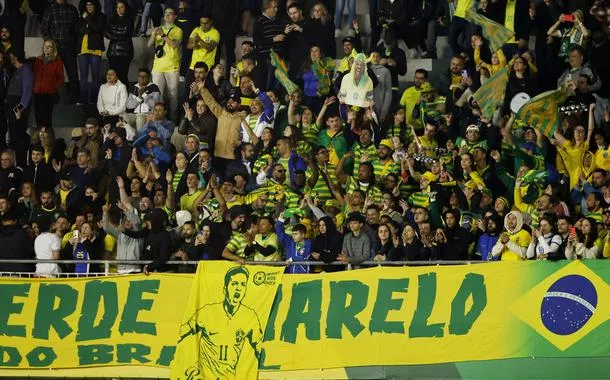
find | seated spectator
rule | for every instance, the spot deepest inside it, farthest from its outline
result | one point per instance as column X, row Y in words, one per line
column 157, row 125
column 141, row 100
column 112, row 98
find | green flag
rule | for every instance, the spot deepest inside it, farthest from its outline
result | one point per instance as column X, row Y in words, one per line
column 281, row 72
column 541, row 112
column 496, row 34
column 491, row 93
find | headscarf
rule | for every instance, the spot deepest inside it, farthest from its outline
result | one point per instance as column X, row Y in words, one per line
column 327, row 241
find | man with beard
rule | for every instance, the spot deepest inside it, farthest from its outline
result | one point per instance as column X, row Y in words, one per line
column 324, row 184
column 186, row 248
column 243, row 166
column 200, row 71
column 385, row 164
column 46, row 207
column 241, row 241
column 563, row 229
column 228, row 133
column 295, row 40
column 364, row 181
column 5, row 45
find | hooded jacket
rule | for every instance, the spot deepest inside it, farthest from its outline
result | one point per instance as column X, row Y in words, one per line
column 15, row 245
column 157, row 240
column 519, row 239
column 487, row 240
column 382, row 93
column 128, row 248
column 328, row 245
column 93, row 26
column 458, row 240
column 112, row 98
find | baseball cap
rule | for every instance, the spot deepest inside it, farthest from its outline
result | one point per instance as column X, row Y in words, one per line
column 77, row 133
column 472, row 127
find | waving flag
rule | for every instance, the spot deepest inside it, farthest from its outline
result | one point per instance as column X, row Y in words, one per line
column 281, row 72
column 541, row 112
column 496, row 34
column 491, row 93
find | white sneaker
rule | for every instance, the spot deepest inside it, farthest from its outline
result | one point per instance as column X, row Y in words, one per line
column 181, row 78
column 351, row 32
column 411, row 53
column 337, row 33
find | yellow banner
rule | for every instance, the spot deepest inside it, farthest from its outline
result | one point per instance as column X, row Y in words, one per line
column 75, row 323
column 222, row 331
column 367, row 317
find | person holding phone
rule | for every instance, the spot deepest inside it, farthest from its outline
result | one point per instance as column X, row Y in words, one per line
column 572, row 32
column 17, row 104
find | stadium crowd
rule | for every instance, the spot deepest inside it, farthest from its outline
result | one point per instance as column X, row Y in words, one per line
column 294, row 152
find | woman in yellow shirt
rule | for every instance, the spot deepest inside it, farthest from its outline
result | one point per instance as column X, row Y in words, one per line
column 571, row 151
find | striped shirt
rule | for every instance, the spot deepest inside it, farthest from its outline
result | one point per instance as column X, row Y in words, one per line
column 383, row 169
column 237, row 244
column 321, row 188
column 370, row 191
column 265, row 28
column 310, row 133
column 419, row 199
column 359, row 150
column 266, row 241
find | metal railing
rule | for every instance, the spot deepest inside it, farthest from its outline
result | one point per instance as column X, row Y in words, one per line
column 108, row 263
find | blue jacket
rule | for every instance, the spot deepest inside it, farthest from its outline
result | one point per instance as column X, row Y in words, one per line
column 164, row 128
column 290, row 249
column 485, row 244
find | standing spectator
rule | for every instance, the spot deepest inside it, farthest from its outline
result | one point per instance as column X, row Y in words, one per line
column 15, row 244
column 411, row 97
column 38, row 171
column 47, row 246
column 112, row 98
column 48, row 79
column 199, row 121
column 320, row 30
column 542, row 17
column 203, row 42
column 572, row 33
column 295, row 40
column 228, row 132
column 17, row 104
column 356, row 244
column 119, row 30
column 6, row 44
column 296, row 247
column 351, row 16
column 152, row 11
column 317, row 71
column 460, row 27
column 166, row 65
column 186, row 20
column 394, row 58
column 225, row 14
column 579, row 68
column 59, row 24
column 141, row 99
column 90, row 30
column 382, row 93
column 4, row 81
column 268, row 34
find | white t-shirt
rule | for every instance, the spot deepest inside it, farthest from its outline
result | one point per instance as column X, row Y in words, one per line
column 44, row 245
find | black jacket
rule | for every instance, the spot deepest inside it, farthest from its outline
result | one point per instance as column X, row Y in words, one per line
column 328, row 245
column 412, row 252
column 10, row 179
column 41, row 175
column 119, row 30
column 456, row 247
column 14, row 244
column 94, row 248
column 93, row 25
column 321, row 36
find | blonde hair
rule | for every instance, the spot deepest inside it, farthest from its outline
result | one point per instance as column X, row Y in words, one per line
column 324, row 15
column 52, row 42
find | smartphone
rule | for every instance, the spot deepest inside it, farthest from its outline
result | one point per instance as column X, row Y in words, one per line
column 568, row 18
column 572, row 232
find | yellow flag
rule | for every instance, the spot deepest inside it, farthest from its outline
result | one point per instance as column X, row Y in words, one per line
column 222, row 329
